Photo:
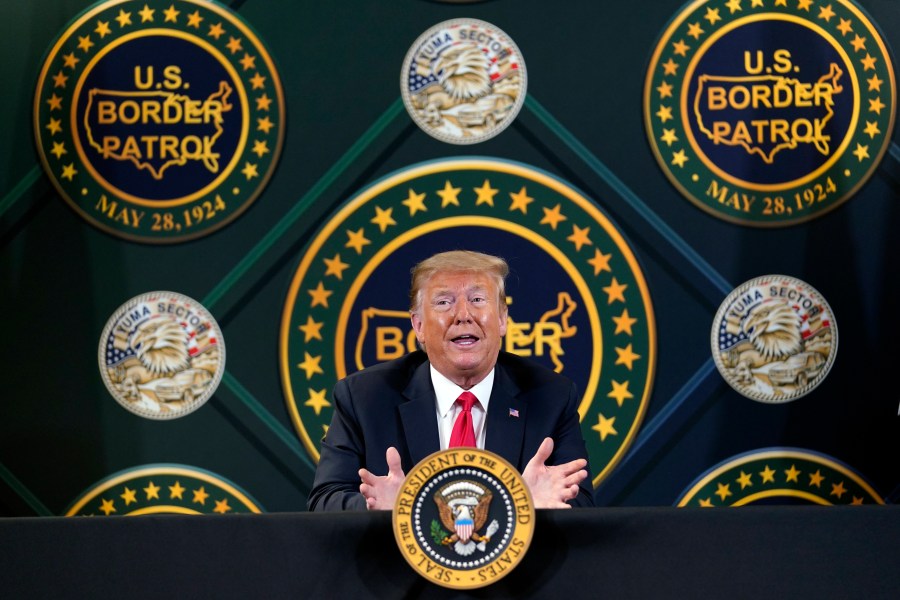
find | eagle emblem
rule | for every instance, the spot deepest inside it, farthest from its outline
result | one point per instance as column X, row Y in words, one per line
column 463, row 507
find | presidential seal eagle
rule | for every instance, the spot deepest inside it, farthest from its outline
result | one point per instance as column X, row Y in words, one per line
column 463, row 507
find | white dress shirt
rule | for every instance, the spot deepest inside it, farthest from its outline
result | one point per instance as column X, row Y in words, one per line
column 447, row 409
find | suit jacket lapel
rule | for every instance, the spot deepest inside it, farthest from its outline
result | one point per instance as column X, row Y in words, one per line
column 418, row 416
column 505, row 430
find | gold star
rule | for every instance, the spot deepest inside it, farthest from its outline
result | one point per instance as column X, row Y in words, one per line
column 194, row 19
column 868, row 62
column 665, row 90
column 781, row 3
column 825, row 13
column 152, row 491
column 449, row 195
column 733, row 5
column 669, row 137
column 626, row 356
column 600, row 262
column 623, row 323
column 792, row 474
column 768, row 475
column 553, row 217
column 222, row 506
column 875, row 105
column 102, row 29
column 59, row 80
column 670, row 67
column 861, row 152
column 723, row 490
column 838, row 489
column 55, row 126
column 55, row 102
column 249, row 62
column 383, row 218
column 858, row 43
column 69, row 171
column 520, row 201
column 249, row 171
column 857, row 501
column 744, row 480
column 317, row 401
column 845, row 27
column 679, row 158
column 146, row 14
column 171, row 14
column 263, row 102
column 319, row 296
column 70, row 60
column 85, row 43
column 312, row 329
column 128, row 496
column 260, row 148
column 620, row 392
column 176, row 491
column 107, row 507
column 259, row 81
column 605, row 427
column 335, row 266
column 815, row 479
column 216, row 31
column 264, row 124
column 707, row 503
column 579, row 237
column 234, row 45
column 712, row 15
column 58, row 149
column 804, row 4
column 200, row 496
column 124, row 18
column 695, row 31
column 615, row 291
column 872, row 128
column 756, row 3
column 680, row 48
column 874, row 83
column 415, row 202
column 311, row 365
column 357, row 240
column 485, row 194
column 664, row 113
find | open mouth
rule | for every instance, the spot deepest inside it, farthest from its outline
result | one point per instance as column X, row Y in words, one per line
column 464, row 340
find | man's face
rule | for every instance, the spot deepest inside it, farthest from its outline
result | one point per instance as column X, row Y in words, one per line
column 460, row 323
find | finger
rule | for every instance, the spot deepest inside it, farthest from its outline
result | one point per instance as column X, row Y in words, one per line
column 393, row 461
column 575, row 478
column 543, row 453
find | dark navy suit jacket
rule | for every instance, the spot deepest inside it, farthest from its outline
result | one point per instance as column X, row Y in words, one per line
column 393, row 404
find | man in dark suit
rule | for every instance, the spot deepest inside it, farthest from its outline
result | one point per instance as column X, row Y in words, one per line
column 389, row 417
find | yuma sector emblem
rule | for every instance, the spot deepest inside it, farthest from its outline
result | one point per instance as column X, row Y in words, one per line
column 159, row 121
column 463, row 518
column 769, row 112
column 463, row 81
column 162, row 355
column 774, row 339
column 579, row 303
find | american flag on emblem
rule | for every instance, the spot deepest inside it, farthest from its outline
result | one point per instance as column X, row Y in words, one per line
column 464, row 527
column 513, row 412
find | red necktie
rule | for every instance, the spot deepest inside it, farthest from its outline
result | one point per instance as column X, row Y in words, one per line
column 463, row 433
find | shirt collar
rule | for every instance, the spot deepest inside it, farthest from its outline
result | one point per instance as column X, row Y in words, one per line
column 447, row 392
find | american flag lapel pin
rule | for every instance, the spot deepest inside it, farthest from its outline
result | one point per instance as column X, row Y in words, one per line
column 514, row 413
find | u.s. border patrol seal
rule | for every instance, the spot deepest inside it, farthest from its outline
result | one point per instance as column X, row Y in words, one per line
column 463, row 81
column 780, row 476
column 163, row 489
column 769, row 112
column 578, row 300
column 464, row 518
column 774, row 338
column 161, row 355
column 159, row 121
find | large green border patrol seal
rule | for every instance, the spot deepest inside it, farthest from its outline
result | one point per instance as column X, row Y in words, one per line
column 163, row 489
column 464, row 518
column 159, row 121
column 579, row 303
column 779, row 475
column 769, row 112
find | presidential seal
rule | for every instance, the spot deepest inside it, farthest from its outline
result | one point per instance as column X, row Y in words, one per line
column 163, row 489
column 774, row 339
column 161, row 355
column 779, row 476
column 769, row 112
column 159, row 121
column 464, row 518
column 578, row 300
column 463, row 81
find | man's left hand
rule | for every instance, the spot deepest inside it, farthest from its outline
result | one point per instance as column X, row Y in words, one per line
column 552, row 486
